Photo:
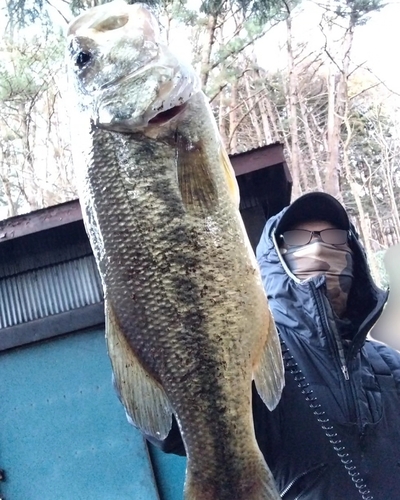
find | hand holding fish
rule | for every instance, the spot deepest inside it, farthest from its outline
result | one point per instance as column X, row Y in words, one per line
column 187, row 321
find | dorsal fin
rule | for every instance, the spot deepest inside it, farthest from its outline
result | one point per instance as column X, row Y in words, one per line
column 229, row 175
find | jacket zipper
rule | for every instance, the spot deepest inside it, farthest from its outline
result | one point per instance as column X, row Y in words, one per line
column 350, row 392
column 325, row 322
column 299, row 476
column 345, row 372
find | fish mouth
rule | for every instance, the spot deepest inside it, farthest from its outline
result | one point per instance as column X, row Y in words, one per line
column 166, row 116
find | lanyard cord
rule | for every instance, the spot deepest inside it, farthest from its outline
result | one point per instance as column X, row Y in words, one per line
column 326, row 425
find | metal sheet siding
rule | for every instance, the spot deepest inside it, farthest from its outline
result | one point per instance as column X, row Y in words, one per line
column 63, row 432
column 50, row 290
column 169, row 471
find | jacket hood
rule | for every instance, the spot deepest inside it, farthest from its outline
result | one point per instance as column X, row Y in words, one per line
column 296, row 305
column 304, row 209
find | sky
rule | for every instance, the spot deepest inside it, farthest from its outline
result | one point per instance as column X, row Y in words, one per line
column 378, row 41
column 375, row 44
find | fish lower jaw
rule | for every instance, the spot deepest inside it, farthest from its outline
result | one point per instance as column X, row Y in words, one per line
column 107, row 121
column 167, row 115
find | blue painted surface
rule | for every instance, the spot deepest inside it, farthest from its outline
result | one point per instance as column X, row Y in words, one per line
column 170, row 473
column 63, row 432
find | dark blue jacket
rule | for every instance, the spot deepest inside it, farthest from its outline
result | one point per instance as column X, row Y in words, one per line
column 335, row 434
column 336, row 431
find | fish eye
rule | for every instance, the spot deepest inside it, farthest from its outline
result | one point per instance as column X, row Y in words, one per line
column 82, row 59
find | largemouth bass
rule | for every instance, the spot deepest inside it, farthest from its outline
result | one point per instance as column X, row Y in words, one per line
column 187, row 321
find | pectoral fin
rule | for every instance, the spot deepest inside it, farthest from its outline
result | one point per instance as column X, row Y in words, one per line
column 143, row 398
column 196, row 184
column 269, row 375
column 229, row 175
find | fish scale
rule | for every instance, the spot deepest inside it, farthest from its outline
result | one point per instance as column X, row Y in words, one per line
column 187, row 321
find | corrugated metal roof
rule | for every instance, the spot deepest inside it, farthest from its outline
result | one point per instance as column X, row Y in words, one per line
column 48, row 291
column 258, row 149
column 42, row 249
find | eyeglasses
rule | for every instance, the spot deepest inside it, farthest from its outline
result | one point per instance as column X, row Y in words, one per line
column 298, row 237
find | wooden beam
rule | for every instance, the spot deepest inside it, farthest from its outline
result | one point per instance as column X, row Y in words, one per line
column 52, row 326
column 266, row 156
column 40, row 220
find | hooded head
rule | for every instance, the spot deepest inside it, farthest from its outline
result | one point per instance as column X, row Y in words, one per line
column 313, row 239
column 291, row 297
column 314, row 206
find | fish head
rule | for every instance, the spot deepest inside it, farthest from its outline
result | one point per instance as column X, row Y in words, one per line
column 122, row 73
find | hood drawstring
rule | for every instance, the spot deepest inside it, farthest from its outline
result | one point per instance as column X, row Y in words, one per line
column 326, row 425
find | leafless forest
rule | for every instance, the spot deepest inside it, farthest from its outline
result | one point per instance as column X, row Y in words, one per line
column 337, row 120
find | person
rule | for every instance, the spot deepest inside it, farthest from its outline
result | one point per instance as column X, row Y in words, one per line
column 335, row 433
column 336, row 430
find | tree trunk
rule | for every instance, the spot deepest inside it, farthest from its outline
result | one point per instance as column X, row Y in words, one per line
column 28, row 185
column 268, row 117
column 222, row 121
column 364, row 223
column 338, row 105
column 233, row 119
column 365, row 232
column 373, row 200
column 297, row 172
column 12, row 206
column 333, row 137
column 207, row 48
column 253, row 115
column 310, row 146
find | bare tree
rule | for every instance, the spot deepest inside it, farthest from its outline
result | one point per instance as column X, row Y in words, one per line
column 35, row 144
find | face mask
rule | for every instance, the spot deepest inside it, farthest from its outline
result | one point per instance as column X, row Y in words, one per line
column 335, row 261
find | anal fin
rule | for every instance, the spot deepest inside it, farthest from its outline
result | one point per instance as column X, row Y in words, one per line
column 269, row 375
column 143, row 397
